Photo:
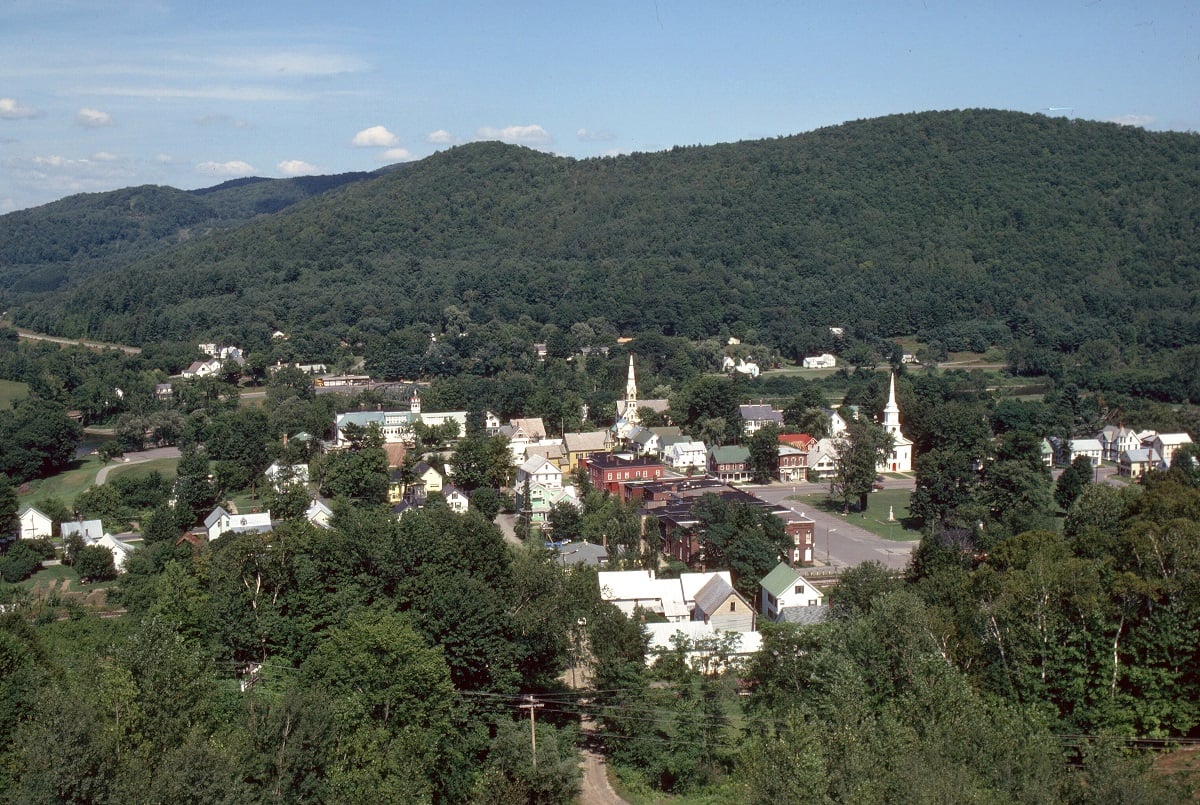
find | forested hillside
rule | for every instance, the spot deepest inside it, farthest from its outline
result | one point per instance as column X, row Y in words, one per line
column 45, row 248
column 972, row 227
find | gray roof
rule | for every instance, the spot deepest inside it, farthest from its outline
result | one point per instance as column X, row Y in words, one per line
column 804, row 615
column 760, row 413
column 592, row 441
column 713, row 594
column 582, row 553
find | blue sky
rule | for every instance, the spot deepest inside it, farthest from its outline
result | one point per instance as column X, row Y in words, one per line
column 97, row 95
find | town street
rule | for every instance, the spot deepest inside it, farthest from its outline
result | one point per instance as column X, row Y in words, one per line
column 839, row 542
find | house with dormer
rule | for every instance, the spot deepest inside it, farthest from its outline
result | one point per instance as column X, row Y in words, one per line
column 1115, row 440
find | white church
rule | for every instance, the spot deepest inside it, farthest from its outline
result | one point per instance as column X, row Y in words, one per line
column 900, row 459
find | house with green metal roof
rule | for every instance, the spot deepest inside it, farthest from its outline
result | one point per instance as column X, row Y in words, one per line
column 785, row 588
column 730, row 464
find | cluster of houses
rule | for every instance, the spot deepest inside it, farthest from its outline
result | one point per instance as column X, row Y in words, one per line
column 218, row 356
column 36, row 524
column 701, row 605
column 1134, row 452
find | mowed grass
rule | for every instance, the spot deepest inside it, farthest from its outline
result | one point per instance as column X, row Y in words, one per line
column 65, row 486
column 875, row 519
column 11, row 391
column 167, row 467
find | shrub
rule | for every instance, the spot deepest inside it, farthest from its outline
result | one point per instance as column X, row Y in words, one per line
column 19, row 563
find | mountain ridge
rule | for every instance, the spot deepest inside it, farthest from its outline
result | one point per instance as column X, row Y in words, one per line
column 968, row 224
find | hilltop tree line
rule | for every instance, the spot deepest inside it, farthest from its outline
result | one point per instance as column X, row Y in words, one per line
column 1067, row 243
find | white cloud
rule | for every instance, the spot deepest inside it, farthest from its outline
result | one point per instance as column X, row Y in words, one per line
column 396, row 155
column 586, row 136
column 11, row 109
column 519, row 135
column 93, row 118
column 164, row 159
column 296, row 167
column 221, row 120
column 440, row 137
column 214, row 93
column 291, row 63
column 232, row 168
column 1133, row 120
column 55, row 161
column 104, row 156
column 375, row 137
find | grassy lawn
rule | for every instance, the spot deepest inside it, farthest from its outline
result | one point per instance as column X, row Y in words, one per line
column 876, row 518
column 49, row 576
column 65, row 486
column 11, row 391
column 164, row 466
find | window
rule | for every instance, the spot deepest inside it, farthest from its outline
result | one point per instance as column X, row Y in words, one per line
column 799, row 589
column 733, row 606
column 812, row 602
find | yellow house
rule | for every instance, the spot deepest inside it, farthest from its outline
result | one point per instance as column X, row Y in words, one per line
column 578, row 445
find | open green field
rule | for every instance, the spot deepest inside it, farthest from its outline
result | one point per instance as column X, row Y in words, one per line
column 11, row 391
column 65, row 486
column 875, row 519
column 167, row 467
column 50, row 576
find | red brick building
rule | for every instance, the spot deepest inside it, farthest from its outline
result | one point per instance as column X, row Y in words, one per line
column 612, row 471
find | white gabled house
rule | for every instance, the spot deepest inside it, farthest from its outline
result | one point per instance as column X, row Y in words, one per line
column 684, row 456
column 319, row 514
column 1167, row 443
column 121, row 551
column 286, row 475
column 822, row 460
column 221, row 521
column 784, row 588
column 540, row 471
column 823, row 361
column 1083, row 447
column 35, row 524
column 455, row 498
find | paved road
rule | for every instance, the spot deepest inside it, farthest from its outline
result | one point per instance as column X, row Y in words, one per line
column 837, row 537
column 136, row 458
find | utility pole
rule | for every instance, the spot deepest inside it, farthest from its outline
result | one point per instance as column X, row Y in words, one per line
column 531, row 705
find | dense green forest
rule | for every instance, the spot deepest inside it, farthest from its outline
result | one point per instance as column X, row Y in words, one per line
column 51, row 246
column 1064, row 241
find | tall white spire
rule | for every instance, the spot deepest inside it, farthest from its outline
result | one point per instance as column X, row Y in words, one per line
column 631, row 387
column 891, row 412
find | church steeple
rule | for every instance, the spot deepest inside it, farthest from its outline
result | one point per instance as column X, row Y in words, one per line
column 631, row 388
column 891, row 412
